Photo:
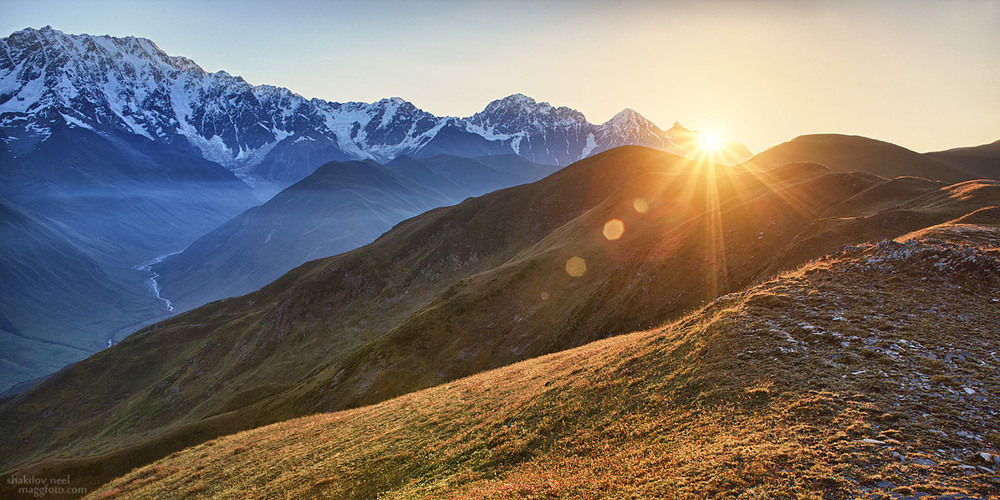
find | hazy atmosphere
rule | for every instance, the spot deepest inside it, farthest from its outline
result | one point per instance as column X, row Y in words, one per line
column 920, row 74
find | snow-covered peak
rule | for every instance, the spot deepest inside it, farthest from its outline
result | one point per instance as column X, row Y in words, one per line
column 629, row 121
column 392, row 101
column 129, row 85
column 82, row 47
column 517, row 101
column 678, row 128
column 518, row 112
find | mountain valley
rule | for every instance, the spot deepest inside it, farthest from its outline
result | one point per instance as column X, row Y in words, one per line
column 150, row 162
column 458, row 290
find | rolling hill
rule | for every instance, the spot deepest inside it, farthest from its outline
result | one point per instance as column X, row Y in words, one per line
column 867, row 373
column 983, row 161
column 620, row 242
column 843, row 153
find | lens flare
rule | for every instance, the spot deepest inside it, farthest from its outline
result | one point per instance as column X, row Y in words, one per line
column 614, row 229
column 576, row 266
column 640, row 205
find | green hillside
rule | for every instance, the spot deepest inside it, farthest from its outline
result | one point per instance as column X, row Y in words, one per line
column 868, row 372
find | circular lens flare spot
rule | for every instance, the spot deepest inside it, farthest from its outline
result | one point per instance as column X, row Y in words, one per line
column 576, row 266
column 614, row 229
column 545, row 295
column 640, row 205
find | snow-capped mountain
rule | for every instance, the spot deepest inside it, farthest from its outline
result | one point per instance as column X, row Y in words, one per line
column 266, row 133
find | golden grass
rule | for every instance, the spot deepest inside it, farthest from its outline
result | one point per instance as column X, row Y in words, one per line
column 762, row 394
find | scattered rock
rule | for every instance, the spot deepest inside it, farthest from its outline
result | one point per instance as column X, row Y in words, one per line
column 968, row 435
column 924, row 461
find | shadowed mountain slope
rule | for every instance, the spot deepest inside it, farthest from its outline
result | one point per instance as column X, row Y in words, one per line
column 370, row 289
column 843, row 153
column 870, row 371
column 122, row 200
column 135, row 198
column 483, row 174
column 57, row 304
column 449, row 293
column 420, row 172
column 340, row 207
column 983, row 161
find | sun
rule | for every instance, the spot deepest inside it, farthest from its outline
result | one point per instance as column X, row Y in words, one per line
column 709, row 141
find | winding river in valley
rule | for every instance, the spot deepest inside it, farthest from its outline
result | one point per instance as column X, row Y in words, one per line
column 153, row 285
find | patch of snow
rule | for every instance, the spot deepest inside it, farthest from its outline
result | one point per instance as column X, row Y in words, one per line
column 73, row 121
column 591, row 145
column 28, row 95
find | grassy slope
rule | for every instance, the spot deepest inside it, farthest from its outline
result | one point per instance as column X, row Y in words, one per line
column 872, row 366
column 195, row 369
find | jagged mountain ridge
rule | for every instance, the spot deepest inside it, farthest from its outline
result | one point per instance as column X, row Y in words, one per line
column 264, row 132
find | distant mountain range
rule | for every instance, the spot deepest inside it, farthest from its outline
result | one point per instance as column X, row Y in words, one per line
column 270, row 136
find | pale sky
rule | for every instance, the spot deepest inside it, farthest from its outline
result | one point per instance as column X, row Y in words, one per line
column 922, row 74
